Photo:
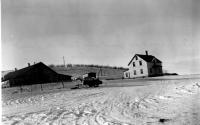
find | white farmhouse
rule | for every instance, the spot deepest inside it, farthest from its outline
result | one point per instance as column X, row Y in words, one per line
column 144, row 66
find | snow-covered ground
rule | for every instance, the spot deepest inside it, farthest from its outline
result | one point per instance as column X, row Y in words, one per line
column 170, row 101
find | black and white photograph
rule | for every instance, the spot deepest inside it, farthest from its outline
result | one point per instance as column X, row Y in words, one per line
column 100, row 62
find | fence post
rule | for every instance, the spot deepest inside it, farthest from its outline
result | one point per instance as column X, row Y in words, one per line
column 63, row 84
column 41, row 87
column 21, row 88
column 31, row 88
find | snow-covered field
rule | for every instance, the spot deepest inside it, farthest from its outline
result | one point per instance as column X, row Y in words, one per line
column 174, row 101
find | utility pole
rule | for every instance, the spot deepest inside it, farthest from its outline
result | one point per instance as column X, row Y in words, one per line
column 64, row 61
column 100, row 71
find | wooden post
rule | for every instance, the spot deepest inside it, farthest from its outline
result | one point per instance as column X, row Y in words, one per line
column 41, row 87
column 31, row 88
column 64, row 61
column 21, row 88
column 63, row 84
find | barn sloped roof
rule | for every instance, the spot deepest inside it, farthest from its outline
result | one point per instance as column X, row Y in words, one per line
column 27, row 71
column 147, row 58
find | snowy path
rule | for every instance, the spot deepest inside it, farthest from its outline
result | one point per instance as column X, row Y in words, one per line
column 171, row 102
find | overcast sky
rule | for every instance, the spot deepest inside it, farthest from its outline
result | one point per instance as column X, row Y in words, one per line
column 106, row 32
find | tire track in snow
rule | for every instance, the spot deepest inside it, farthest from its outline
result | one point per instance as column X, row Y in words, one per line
column 119, row 107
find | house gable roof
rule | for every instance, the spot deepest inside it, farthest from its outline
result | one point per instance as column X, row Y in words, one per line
column 147, row 58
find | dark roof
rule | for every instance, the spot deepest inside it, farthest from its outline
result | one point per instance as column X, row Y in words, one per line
column 27, row 71
column 147, row 58
column 3, row 73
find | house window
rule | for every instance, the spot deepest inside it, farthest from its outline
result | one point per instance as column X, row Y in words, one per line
column 127, row 74
column 134, row 72
column 136, row 58
column 141, row 71
column 140, row 63
column 133, row 64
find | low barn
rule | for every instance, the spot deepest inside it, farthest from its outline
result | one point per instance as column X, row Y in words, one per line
column 36, row 74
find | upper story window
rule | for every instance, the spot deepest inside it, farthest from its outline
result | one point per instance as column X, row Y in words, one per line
column 134, row 72
column 141, row 71
column 136, row 58
column 140, row 63
column 133, row 64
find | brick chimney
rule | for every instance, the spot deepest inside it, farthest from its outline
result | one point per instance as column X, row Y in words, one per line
column 146, row 52
column 29, row 64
